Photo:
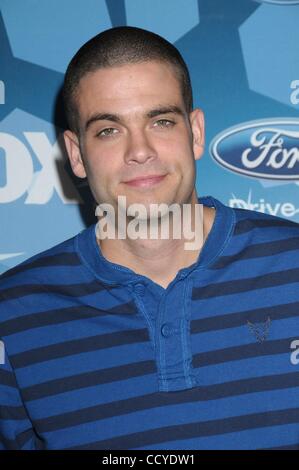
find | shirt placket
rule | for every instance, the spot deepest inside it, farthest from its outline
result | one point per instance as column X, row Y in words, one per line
column 168, row 314
column 173, row 350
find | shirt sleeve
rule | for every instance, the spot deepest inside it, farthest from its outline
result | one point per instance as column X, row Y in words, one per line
column 16, row 430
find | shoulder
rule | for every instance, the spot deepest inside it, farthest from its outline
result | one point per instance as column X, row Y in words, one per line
column 62, row 253
column 253, row 224
column 245, row 219
column 257, row 223
column 36, row 275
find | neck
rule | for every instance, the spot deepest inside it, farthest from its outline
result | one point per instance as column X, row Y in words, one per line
column 161, row 259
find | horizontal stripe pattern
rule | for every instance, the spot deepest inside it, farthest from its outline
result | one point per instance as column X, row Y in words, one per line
column 235, row 424
column 263, row 222
column 88, row 345
column 59, row 259
column 70, row 290
column 259, row 250
column 236, row 319
column 112, row 374
column 242, row 352
column 93, row 343
column 147, row 402
column 63, row 315
column 236, row 286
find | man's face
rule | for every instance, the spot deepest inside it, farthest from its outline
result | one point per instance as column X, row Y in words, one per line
column 134, row 124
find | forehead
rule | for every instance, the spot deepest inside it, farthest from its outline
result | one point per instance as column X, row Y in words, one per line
column 128, row 87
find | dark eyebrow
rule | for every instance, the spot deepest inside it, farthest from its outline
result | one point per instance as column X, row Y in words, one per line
column 150, row 114
column 101, row 117
column 165, row 110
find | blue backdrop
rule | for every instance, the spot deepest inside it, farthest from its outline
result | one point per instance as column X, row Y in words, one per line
column 244, row 61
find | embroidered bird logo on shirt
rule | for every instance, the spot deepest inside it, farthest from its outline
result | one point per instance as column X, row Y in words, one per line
column 260, row 330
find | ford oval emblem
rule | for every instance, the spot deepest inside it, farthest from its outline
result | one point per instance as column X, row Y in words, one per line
column 267, row 148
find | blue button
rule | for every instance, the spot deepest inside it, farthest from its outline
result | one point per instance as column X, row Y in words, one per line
column 139, row 288
column 166, row 330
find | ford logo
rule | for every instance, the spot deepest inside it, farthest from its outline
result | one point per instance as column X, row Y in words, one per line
column 261, row 149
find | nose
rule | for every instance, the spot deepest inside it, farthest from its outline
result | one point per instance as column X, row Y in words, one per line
column 139, row 147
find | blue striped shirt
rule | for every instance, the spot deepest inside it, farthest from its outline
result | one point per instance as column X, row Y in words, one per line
column 99, row 357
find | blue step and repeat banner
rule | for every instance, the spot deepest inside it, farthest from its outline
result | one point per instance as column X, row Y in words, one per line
column 243, row 57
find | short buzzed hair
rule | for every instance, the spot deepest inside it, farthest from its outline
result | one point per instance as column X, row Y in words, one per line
column 119, row 46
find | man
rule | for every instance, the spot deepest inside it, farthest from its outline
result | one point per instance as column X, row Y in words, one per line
column 121, row 343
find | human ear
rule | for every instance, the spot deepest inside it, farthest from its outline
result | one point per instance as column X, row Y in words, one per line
column 197, row 122
column 74, row 153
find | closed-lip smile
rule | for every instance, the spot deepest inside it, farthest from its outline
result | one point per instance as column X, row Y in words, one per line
column 147, row 180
